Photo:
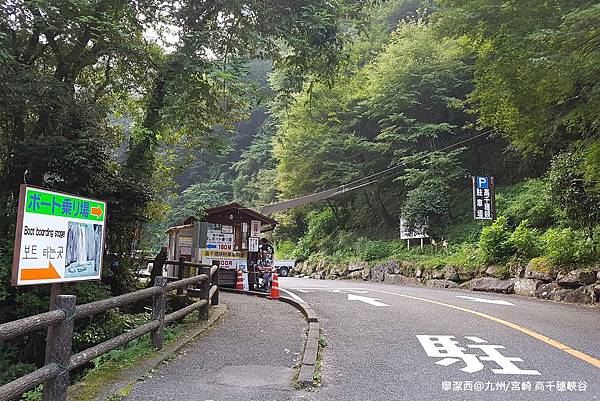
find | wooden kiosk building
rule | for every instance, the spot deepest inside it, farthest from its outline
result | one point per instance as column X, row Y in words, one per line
column 229, row 234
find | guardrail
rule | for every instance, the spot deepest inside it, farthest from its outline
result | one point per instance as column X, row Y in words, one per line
column 61, row 321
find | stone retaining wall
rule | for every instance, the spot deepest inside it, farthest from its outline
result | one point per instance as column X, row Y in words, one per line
column 536, row 279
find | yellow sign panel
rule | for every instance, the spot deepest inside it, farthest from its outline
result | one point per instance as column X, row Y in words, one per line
column 223, row 254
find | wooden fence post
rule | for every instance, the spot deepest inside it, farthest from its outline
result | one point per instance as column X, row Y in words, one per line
column 204, row 293
column 180, row 268
column 60, row 350
column 215, row 281
column 158, row 312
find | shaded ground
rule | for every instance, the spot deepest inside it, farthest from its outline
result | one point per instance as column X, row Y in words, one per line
column 247, row 356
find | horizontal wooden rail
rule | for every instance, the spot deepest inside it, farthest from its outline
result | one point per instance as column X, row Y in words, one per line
column 103, row 305
column 171, row 317
column 89, row 354
column 55, row 373
column 28, row 324
column 186, row 282
column 30, row 381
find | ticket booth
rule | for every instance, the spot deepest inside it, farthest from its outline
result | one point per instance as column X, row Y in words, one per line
column 228, row 235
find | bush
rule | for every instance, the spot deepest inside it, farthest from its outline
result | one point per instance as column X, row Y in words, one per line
column 577, row 198
column 369, row 250
column 284, row 249
column 494, row 242
column 318, row 236
column 529, row 201
column 526, row 241
column 468, row 256
column 565, row 246
column 502, row 272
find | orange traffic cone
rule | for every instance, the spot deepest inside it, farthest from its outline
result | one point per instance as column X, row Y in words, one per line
column 274, row 288
column 239, row 282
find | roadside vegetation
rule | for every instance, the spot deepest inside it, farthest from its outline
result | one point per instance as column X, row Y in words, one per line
column 425, row 76
column 165, row 108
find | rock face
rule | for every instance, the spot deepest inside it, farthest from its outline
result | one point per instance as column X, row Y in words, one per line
column 355, row 275
column 540, row 269
column 354, row 266
column 436, row 274
column 450, row 273
column 581, row 295
column 378, row 273
column 441, row 283
column 392, row 267
column 407, row 268
column 551, row 291
column 491, row 271
column 577, row 278
column 465, row 275
column 491, row 284
column 400, row 280
column 526, row 286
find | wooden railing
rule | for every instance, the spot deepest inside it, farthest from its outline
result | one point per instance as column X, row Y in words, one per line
column 61, row 320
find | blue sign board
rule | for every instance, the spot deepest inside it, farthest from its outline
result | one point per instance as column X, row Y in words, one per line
column 482, row 182
column 484, row 198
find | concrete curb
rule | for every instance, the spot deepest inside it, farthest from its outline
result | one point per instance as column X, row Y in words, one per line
column 311, row 348
column 127, row 378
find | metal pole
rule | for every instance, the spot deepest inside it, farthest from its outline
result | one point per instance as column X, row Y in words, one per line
column 60, row 350
column 215, row 281
column 158, row 312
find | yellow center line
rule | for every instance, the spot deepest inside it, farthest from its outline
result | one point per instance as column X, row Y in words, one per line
column 556, row 344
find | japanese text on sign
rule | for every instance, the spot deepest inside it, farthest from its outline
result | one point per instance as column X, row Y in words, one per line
column 484, row 198
column 59, row 238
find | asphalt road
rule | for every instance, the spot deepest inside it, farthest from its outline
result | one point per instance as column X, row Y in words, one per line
column 388, row 342
column 249, row 355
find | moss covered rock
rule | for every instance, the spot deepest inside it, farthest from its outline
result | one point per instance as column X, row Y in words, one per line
column 540, row 269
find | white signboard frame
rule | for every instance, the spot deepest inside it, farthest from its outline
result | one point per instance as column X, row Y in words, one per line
column 59, row 237
column 406, row 234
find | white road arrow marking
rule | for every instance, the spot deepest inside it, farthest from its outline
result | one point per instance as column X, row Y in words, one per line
column 367, row 300
column 486, row 301
column 358, row 292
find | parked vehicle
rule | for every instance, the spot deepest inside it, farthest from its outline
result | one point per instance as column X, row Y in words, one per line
column 284, row 266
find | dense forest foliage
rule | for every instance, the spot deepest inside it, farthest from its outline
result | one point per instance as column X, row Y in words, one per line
column 114, row 99
column 163, row 109
column 513, row 85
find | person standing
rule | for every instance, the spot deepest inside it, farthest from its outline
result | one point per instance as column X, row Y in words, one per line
column 266, row 254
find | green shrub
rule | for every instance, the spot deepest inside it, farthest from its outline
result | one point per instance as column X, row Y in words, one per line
column 529, row 201
column 284, row 249
column 494, row 242
column 502, row 272
column 318, row 236
column 468, row 256
column 370, row 250
column 526, row 241
column 576, row 197
column 565, row 246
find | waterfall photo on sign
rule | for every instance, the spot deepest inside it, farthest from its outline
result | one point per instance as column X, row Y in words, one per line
column 83, row 249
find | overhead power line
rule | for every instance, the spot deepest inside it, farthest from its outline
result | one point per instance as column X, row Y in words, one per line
column 359, row 183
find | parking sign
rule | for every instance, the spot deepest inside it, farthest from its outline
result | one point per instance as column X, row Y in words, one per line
column 484, row 198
